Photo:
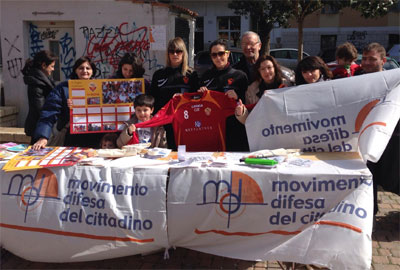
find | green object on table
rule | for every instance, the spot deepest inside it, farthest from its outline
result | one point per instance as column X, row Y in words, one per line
column 260, row 161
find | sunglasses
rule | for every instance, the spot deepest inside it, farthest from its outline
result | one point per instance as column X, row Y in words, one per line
column 220, row 54
column 175, row 51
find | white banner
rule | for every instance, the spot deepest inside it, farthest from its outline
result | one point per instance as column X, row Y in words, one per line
column 83, row 213
column 345, row 115
column 320, row 214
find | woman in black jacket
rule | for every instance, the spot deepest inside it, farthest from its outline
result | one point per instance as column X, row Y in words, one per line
column 223, row 78
column 37, row 74
column 176, row 78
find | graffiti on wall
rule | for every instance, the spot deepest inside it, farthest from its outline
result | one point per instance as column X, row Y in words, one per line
column 14, row 67
column 48, row 34
column 358, row 38
column 67, row 51
column 14, row 59
column 36, row 43
column 107, row 44
column 67, row 55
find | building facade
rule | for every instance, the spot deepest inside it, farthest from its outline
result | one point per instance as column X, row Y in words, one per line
column 322, row 30
column 103, row 30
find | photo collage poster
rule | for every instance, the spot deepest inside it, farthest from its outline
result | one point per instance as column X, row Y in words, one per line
column 47, row 157
column 102, row 105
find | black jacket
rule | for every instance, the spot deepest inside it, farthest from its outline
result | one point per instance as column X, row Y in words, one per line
column 168, row 81
column 224, row 80
column 39, row 87
column 246, row 68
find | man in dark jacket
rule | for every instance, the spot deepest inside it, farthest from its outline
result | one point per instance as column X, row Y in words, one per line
column 251, row 46
column 385, row 172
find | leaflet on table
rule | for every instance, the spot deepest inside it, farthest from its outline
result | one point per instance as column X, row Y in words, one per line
column 6, row 155
column 47, row 157
column 102, row 105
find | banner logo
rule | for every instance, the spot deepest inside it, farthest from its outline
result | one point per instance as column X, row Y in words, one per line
column 31, row 191
column 231, row 198
column 362, row 115
column 92, row 86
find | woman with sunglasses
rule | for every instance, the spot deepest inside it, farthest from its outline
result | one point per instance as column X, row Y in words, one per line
column 176, row 78
column 223, row 78
column 56, row 110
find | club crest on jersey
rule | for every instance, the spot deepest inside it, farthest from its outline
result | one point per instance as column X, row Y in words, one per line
column 207, row 111
column 161, row 82
column 185, row 80
column 230, row 81
column 197, row 124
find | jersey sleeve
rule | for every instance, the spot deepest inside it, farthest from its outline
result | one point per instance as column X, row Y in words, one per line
column 226, row 103
column 164, row 116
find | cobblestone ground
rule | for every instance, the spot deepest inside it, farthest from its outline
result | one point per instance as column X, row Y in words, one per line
column 385, row 251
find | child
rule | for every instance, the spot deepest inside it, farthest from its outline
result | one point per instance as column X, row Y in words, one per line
column 346, row 54
column 144, row 107
column 109, row 141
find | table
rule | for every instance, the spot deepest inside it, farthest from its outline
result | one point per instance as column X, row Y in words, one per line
column 317, row 213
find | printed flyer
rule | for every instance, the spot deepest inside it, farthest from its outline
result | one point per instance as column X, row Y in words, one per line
column 47, row 157
column 102, row 105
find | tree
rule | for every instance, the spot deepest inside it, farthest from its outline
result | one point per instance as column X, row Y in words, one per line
column 302, row 8
column 265, row 13
column 372, row 8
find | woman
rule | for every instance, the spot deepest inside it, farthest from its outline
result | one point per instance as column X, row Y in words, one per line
column 268, row 75
column 312, row 69
column 223, row 78
column 130, row 66
column 176, row 78
column 37, row 76
column 56, row 109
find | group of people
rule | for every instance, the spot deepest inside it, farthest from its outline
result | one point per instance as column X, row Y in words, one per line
column 245, row 82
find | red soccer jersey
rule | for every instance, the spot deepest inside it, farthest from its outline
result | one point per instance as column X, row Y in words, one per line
column 198, row 120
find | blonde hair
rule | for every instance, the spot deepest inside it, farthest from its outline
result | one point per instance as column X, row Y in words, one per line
column 178, row 44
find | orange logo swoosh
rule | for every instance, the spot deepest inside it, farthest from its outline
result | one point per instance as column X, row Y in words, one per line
column 363, row 114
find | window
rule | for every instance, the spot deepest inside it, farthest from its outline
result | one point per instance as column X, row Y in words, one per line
column 328, row 9
column 293, row 54
column 328, row 41
column 280, row 54
column 229, row 30
column 199, row 35
column 182, row 30
column 55, row 49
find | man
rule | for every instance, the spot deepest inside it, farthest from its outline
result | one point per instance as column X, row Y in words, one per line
column 386, row 172
column 251, row 46
column 373, row 58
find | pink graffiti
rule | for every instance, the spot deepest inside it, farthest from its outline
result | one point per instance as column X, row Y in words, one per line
column 112, row 46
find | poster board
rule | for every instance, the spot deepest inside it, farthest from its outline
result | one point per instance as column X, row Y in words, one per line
column 102, row 105
column 47, row 157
